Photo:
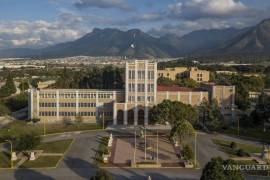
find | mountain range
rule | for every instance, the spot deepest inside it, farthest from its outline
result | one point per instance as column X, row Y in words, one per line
column 137, row 44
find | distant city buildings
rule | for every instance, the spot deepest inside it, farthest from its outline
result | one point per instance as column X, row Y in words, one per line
column 129, row 106
column 188, row 72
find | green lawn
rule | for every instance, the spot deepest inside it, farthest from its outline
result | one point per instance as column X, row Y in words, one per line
column 18, row 128
column 55, row 146
column 42, row 162
column 4, row 160
column 225, row 146
column 254, row 133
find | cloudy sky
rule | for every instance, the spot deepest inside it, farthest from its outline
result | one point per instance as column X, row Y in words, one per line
column 39, row 23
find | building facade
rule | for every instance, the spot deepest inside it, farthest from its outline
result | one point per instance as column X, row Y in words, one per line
column 192, row 73
column 124, row 107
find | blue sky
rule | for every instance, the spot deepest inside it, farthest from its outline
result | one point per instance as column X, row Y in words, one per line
column 40, row 23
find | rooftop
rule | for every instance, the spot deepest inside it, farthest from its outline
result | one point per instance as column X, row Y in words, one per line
column 177, row 88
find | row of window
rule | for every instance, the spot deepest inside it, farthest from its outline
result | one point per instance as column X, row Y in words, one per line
column 73, row 95
column 53, row 113
column 47, row 104
column 141, row 98
column 141, row 74
column 67, row 104
column 140, row 87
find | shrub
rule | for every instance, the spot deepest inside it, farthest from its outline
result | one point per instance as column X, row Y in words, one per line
column 241, row 153
column 233, row 145
column 188, row 153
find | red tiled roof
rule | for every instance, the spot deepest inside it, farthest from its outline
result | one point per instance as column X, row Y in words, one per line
column 176, row 88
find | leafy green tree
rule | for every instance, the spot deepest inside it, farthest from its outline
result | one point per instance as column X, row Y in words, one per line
column 101, row 175
column 261, row 114
column 9, row 88
column 28, row 142
column 187, row 82
column 17, row 102
column 24, row 86
column 210, row 115
column 188, row 153
column 215, row 169
column 165, row 81
column 181, row 129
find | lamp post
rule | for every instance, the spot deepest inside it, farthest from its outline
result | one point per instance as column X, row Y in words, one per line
column 135, row 141
column 103, row 119
column 157, row 146
column 144, row 143
column 11, row 162
column 44, row 127
column 195, row 149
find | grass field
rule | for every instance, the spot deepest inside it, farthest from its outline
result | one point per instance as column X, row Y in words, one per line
column 18, row 128
column 253, row 133
column 42, row 162
column 55, row 146
column 225, row 146
column 4, row 160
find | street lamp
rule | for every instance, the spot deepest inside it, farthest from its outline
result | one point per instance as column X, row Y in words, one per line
column 195, row 149
column 11, row 162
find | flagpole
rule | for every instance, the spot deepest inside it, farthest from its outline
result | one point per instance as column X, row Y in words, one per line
column 144, row 143
column 157, row 146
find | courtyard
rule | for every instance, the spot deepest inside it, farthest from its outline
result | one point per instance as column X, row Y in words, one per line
column 158, row 150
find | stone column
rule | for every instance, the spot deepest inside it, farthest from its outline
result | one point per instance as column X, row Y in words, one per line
column 125, row 115
column 146, row 111
column 136, row 115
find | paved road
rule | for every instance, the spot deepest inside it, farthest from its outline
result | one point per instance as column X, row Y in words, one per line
column 78, row 162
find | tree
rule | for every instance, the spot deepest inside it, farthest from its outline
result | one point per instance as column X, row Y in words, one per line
column 27, row 142
column 165, row 81
column 182, row 129
column 261, row 114
column 188, row 153
column 179, row 115
column 187, row 82
column 210, row 115
column 9, row 88
column 101, row 175
column 24, row 86
column 215, row 170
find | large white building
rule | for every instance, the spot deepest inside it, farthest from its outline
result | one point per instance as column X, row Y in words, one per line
column 129, row 106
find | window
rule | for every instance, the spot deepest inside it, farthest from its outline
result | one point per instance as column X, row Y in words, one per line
column 150, row 98
column 140, row 98
column 141, row 87
column 150, row 87
column 131, row 98
column 131, row 74
column 131, row 87
column 151, row 75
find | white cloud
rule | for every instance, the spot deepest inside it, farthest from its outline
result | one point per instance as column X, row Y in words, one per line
column 196, row 9
column 40, row 33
